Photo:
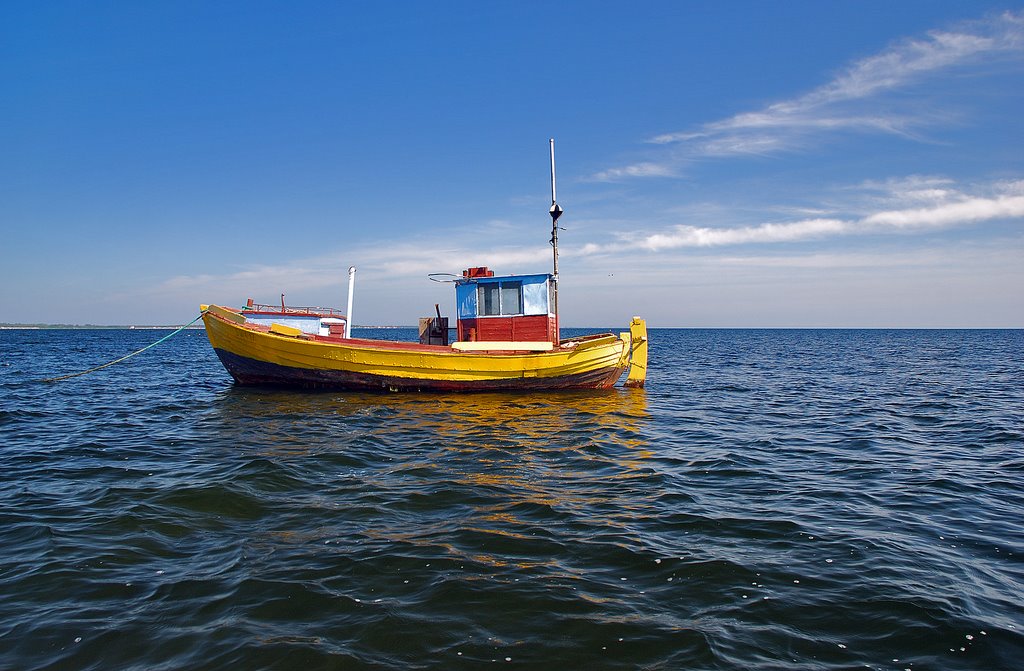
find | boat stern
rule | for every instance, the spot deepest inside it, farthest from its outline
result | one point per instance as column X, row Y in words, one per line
column 636, row 341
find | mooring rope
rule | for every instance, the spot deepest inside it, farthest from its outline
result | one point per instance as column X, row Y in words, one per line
column 127, row 356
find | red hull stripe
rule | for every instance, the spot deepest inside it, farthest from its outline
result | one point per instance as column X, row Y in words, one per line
column 251, row 372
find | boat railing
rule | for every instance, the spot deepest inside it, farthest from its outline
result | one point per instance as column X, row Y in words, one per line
column 295, row 310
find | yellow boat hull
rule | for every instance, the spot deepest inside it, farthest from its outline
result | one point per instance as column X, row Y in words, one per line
column 254, row 355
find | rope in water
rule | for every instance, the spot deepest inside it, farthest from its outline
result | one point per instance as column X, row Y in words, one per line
column 127, row 356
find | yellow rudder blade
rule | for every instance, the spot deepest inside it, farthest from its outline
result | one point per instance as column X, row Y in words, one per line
column 638, row 354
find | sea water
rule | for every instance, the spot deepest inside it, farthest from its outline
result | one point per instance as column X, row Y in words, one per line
column 774, row 499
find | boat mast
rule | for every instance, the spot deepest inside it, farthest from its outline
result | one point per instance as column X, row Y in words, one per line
column 555, row 212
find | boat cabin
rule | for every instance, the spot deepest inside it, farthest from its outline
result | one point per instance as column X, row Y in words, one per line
column 505, row 308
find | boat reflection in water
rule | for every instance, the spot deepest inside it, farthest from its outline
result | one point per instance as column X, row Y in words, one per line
column 484, row 426
column 488, row 478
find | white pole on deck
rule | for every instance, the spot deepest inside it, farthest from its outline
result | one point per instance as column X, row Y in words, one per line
column 348, row 312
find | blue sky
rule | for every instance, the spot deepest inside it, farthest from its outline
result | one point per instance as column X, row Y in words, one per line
column 748, row 164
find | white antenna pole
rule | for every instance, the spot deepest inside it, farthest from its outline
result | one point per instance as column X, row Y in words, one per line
column 348, row 313
column 554, row 198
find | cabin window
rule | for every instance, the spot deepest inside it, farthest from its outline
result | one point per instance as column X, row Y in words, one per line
column 535, row 298
column 489, row 299
column 500, row 298
column 511, row 298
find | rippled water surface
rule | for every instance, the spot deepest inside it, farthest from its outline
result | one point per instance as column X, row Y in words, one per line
column 772, row 500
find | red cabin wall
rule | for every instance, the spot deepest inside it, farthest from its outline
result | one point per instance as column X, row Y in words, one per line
column 517, row 329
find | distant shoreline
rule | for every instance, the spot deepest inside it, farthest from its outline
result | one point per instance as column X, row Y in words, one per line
column 95, row 327
column 84, row 327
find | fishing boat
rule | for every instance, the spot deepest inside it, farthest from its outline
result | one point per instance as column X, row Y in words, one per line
column 507, row 338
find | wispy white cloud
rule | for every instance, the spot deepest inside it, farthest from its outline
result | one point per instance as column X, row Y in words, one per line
column 715, row 137
column 949, row 214
column 636, row 170
column 380, row 262
column 948, row 207
column 916, row 57
column 916, row 189
column 852, row 101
